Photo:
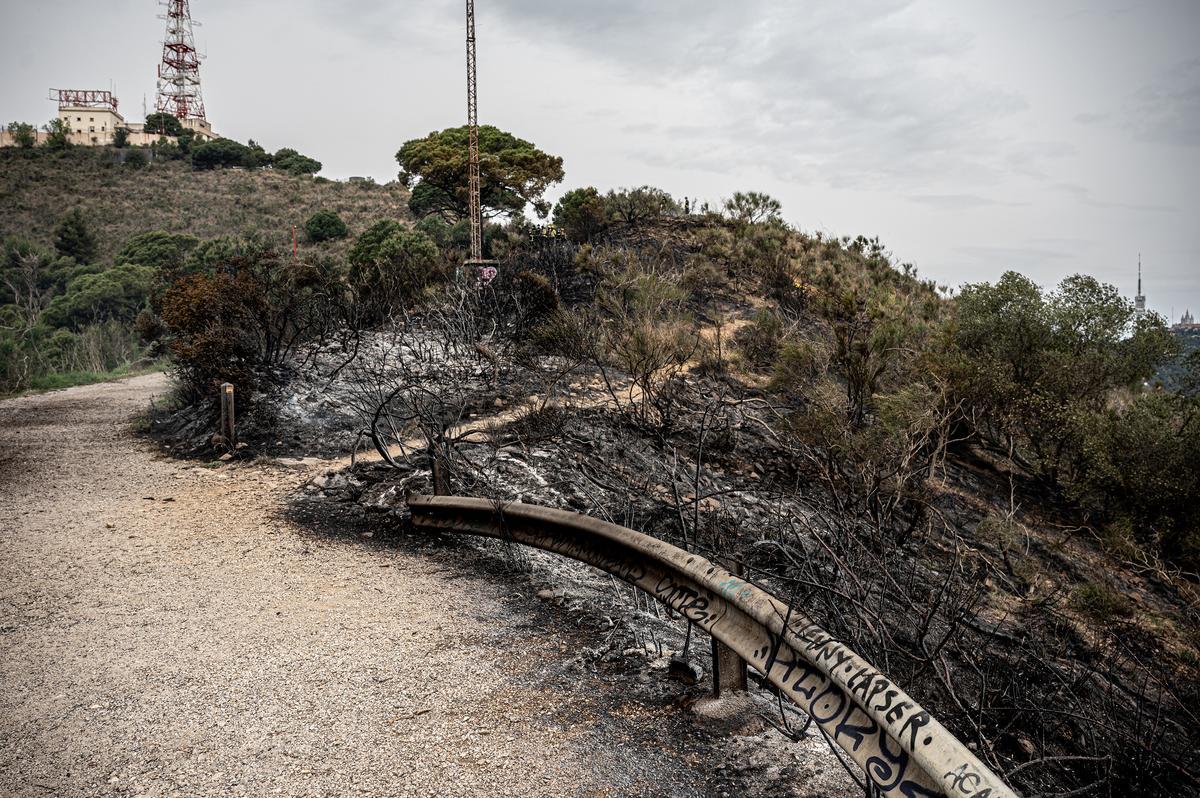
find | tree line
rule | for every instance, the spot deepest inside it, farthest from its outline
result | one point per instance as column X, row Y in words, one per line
column 175, row 143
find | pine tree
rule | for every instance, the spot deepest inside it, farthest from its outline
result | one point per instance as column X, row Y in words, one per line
column 73, row 239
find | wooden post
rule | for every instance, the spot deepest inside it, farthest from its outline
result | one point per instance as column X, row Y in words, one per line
column 728, row 669
column 228, row 429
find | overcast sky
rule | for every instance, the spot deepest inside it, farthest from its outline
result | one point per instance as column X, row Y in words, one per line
column 1047, row 136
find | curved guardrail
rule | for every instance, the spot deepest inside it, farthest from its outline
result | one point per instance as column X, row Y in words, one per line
column 902, row 749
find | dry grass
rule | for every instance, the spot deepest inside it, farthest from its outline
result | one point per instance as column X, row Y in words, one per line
column 38, row 187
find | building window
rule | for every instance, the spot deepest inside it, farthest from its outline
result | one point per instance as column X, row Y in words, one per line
column 91, row 119
column 79, row 119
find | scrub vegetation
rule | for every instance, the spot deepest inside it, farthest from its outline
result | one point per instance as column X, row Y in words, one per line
column 985, row 491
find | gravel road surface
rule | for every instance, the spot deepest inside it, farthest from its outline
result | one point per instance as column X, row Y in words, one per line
column 165, row 632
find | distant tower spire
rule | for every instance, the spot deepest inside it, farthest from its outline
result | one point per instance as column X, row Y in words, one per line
column 1139, row 301
column 179, row 73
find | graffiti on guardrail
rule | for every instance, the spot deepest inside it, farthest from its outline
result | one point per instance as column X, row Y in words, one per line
column 902, row 749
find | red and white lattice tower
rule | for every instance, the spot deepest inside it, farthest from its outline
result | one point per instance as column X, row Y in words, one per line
column 179, row 73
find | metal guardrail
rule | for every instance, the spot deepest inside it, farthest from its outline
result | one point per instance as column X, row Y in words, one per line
column 904, row 752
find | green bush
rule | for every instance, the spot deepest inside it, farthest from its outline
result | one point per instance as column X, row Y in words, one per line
column 220, row 153
column 1139, row 466
column 634, row 206
column 760, row 340
column 292, row 162
column 255, row 156
column 24, row 134
column 1037, row 374
column 166, row 150
column 581, row 214
column 1099, row 602
column 390, row 267
column 209, row 255
column 798, row 366
column 753, row 208
column 117, row 293
column 158, row 249
column 164, row 124
column 74, row 239
column 367, row 246
column 58, row 134
column 325, row 225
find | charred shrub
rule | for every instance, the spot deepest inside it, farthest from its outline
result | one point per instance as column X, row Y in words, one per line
column 242, row 322
column 210, row 318
column 535, row 296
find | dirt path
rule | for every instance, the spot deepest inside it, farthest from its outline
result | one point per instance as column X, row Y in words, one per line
column 163, row 632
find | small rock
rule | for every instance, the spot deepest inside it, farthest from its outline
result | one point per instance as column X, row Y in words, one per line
column 225, row 458
column 683, row 671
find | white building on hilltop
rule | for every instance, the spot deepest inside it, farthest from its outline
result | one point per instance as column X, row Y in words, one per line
column 92, row 119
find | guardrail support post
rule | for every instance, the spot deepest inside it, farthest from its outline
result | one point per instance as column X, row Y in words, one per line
column 228, row 429
column 728, row 669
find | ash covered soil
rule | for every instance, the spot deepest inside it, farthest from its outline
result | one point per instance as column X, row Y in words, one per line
column 170, row 628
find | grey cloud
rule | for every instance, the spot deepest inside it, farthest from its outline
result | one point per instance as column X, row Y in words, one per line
column 1165, row 110
column 1006, row 257
column 1168, row 110
column 1084, row 195
column 962, row 201
column 816, row 86
column 1093, row 118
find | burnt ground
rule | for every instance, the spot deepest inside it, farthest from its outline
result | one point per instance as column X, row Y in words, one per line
column 1028, row 560
column 618, row 663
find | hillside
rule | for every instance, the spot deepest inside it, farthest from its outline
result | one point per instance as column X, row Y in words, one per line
column 800, row 405
column 811, row 410
column 1172, row 374
column 37, row 187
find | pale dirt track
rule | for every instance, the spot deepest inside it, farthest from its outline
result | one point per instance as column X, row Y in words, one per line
column 163, row 631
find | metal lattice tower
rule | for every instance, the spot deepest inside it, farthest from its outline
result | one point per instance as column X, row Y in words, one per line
column 473, row 179
column 179, row 73
column 1139, row 301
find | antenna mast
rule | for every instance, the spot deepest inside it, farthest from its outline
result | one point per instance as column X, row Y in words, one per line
column 473, row 180
column 1139, row 301
column 179, row 72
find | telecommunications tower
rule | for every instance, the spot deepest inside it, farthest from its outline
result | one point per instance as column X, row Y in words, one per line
column 1139, row 301
column 473, row 202
column 179, row 72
